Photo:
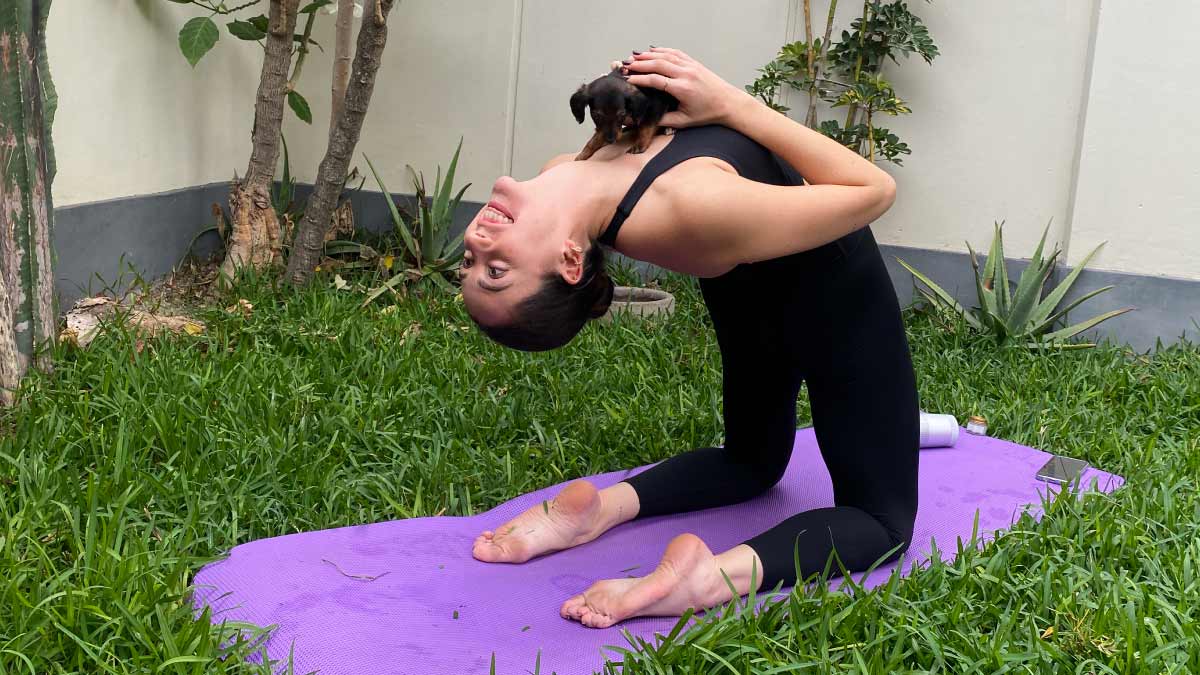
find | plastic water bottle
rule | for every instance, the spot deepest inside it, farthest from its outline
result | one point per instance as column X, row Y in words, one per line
column 938, row 431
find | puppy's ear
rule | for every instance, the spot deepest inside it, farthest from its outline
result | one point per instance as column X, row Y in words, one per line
column 579, row 101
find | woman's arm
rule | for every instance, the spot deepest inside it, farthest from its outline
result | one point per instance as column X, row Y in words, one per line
column 746, row 220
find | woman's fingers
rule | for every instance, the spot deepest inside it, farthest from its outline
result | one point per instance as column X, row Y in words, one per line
column 652, row 80
column 673, row 52
column 651, row 65
column 659, row 56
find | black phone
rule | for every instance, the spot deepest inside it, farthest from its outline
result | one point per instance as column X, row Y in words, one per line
column 1062, row 470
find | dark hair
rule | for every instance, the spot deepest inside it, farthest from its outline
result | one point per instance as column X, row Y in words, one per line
column 550, row 317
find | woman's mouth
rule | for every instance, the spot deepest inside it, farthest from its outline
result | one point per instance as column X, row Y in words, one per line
column 496, row 213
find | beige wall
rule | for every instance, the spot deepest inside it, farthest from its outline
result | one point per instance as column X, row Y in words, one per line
column 565, row 44
column 133, row 117
column 993, row 129
column 1034, row 110
column 447, row 73
column 1139, row 172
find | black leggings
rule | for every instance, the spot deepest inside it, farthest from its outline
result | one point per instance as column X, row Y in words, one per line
column 828, row 317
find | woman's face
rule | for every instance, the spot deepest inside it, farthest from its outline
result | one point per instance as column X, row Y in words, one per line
column 520, row 236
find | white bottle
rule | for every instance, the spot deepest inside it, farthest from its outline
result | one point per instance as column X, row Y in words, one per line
column 938, row 431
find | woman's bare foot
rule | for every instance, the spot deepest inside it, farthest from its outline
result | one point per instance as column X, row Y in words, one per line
column 688, row 576
column 576, row 516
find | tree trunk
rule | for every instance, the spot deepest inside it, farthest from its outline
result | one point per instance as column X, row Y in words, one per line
column 27, row 105
column 331, row 176
column 343, row 36
column 255, row 239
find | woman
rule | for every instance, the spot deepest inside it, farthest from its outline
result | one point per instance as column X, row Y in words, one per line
column 797, row 292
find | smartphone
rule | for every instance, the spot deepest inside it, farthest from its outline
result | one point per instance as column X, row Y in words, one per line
column 1062, row 470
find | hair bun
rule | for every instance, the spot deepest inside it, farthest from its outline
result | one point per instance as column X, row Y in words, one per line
column 604, row 289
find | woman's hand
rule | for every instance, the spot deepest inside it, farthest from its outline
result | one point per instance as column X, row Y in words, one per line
column 704, row 98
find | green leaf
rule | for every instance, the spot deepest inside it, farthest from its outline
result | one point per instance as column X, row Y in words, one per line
column 260, row 23
column 442, row 200
column 1056, row 296
column 384, row 288
column 300, row 106
column 1078, row 328
column 1047, row 323
column 244, row 30
column 315, row 5
column 440, row 281
column 397, row 221
column 1029, row 288
column 289, row 184
column 942, row 295
column 987, row 298
column 197, row 37
column 1003, row 297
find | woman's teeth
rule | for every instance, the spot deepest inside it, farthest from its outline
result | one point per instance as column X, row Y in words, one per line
column 495, row 216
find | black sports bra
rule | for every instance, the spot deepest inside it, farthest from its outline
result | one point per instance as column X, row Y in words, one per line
column 747, row 157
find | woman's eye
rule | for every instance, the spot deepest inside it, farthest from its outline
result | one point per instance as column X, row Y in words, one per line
column 495, row 272
column 466, row 262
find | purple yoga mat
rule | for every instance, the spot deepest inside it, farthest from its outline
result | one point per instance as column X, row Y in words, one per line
column 404, row 621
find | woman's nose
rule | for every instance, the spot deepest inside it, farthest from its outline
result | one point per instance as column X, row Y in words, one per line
column 479, row 238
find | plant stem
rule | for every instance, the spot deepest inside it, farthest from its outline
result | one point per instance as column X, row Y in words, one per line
column 344, row 34
column 812, row 66
column 811, row 120
column 852, row 109
column 303, row 51
column 217, row 9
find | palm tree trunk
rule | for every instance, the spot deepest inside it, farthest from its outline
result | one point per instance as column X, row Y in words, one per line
column 255, row 238
column 331, row 176
column 27, row 106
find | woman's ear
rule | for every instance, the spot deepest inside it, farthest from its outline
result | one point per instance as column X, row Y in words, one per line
column 571, row 265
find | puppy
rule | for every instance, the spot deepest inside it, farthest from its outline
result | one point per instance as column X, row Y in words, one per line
column 620, row 108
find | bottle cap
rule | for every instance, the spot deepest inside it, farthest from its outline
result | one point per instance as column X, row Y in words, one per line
column 977, row 419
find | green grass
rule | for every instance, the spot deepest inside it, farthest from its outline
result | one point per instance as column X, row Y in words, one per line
column 123, row 472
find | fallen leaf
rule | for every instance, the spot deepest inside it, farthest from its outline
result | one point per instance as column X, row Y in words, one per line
column 1047, row 633
column 340, row 283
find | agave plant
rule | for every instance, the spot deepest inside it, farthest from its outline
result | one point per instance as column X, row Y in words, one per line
column 1024, row 315
column 429, row 252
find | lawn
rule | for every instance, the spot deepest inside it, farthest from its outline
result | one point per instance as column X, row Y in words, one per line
column 128, row 468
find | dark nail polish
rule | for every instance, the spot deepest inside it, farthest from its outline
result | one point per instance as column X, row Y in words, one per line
column 636, row 52
column 627, row 62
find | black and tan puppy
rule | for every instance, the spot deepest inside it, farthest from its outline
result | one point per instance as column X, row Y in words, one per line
column 618, row 108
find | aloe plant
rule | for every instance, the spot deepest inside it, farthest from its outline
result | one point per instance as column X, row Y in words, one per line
column 428, row 251
column 27, row 106
column 1022, row 315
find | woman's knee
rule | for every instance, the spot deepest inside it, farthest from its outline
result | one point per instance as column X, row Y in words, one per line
column 760, row 471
